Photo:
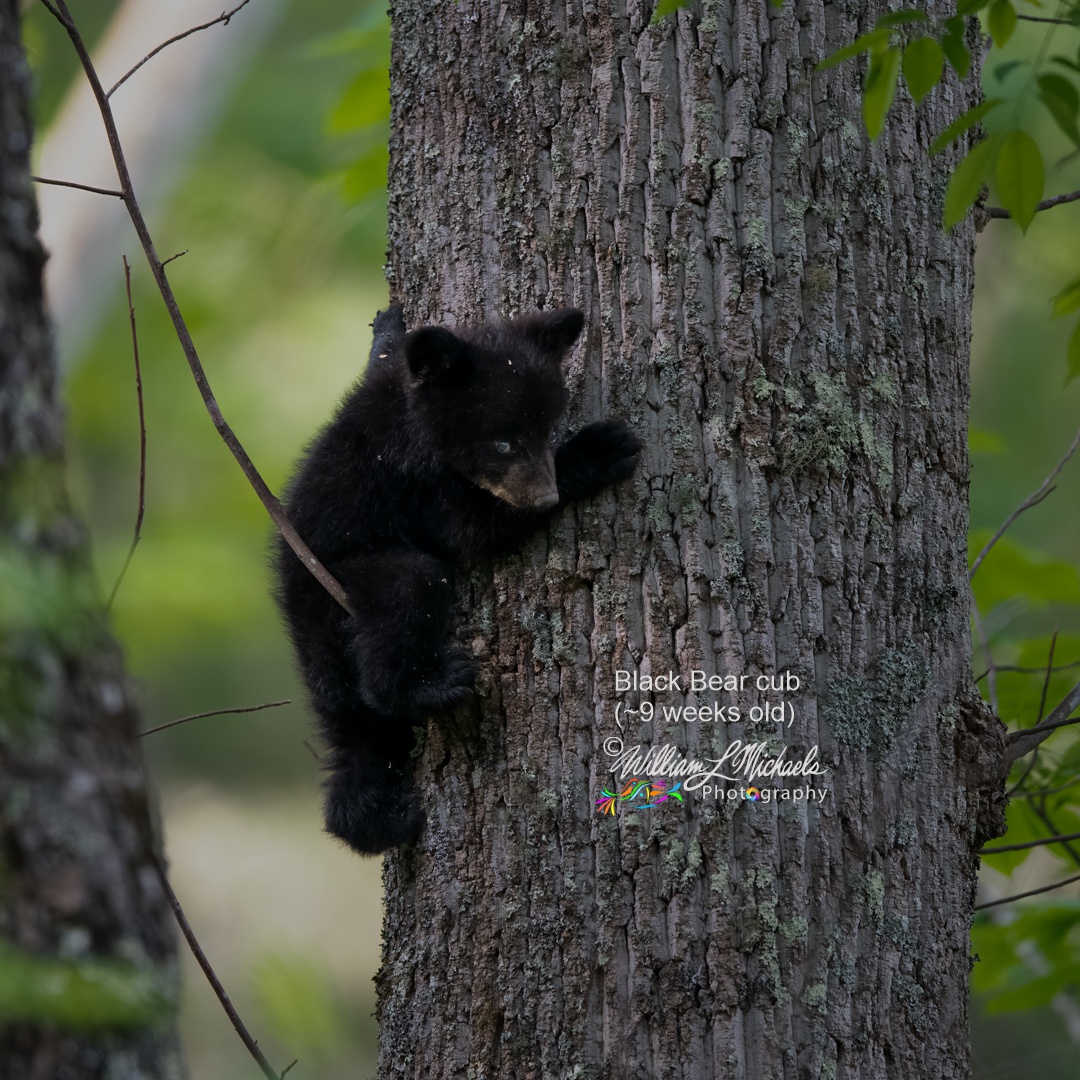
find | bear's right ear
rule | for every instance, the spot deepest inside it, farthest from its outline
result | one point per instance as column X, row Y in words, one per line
column 554, row 331
column 434, row 354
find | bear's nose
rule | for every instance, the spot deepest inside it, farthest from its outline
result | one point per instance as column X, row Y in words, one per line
column 546, row 501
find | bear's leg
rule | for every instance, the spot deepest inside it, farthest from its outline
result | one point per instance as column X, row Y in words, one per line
column 405, row 663
column 369, row 799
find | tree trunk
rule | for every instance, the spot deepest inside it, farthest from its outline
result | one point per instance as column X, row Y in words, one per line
column 773, row 305
column 87, row 951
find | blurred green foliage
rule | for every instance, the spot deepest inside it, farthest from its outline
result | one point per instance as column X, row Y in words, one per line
column 77, row 994
column 279, row 285
column 298, row 1002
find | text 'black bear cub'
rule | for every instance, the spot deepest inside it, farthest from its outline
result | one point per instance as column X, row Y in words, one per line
column 445, row 450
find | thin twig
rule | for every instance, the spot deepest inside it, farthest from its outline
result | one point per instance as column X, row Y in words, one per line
column 1039, row 807
column 1027, row 504
column 312, row 751
column 1025, row 895
column 1044, row 793
column 1038, row 717
column 1044, row 19
column 223, row 18
column 142, row 440
column 288, row 1068
column 269, row 500
column 1029, row 844
column 211, row 977
column 79, row 187
column 215, row 712
column 1046, row 678
column 1026, row 670
column 991, row 670
column 179, row 254
column 1046, row 204
column 1022, row 743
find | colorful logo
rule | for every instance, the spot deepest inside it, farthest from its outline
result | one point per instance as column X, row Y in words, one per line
column 753, row 794
column 638, row 795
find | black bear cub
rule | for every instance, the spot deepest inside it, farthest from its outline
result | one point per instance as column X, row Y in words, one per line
column 445, row 450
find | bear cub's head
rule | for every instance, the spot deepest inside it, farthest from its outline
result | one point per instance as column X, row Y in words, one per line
column 489, row 397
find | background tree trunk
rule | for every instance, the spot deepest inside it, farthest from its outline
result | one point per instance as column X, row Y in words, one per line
column 772, row 303
column 79, row 888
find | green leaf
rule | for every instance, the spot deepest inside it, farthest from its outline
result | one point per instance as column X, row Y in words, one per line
column 1072, row 65
column 1023, row 827
column 1011, row 572
column 1062, row 100
column 1001, row 21
column 880, row 89
column 967, row 180
column 1039, row 990
column 956, row 52
column 898, row 18
column 365, row 102
column 874, row 39
column 1068, row 300
column 923, row 64
column 963, row 123
column 981, row 441
column 368, row 172
column 1073, row 356
column 667, row 7
column 1002, row 71
column 1020, row 176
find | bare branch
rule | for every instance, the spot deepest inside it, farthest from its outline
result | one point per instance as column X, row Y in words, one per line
column 142, row 440
column 1060, row 839
column 1046, row 204
column 1025, row 895
column 1023, row 742
column 223, row 18
column 1046, row 792
column 1039, row 808
column 1026, row 670
column 1046, row 678
column 991, row 670
column 178, row 255
column 288, row 1068
column 72, row 184
column 1038, row 716
column 211, row 977
column 215, row 712
column 1027, row 504
column 266, row 496
column 1045, row 19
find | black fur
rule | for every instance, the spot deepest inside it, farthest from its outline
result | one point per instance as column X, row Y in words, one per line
column 442, row 452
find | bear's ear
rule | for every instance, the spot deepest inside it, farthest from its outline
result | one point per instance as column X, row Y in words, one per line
column 554, row 331
column 434, row 354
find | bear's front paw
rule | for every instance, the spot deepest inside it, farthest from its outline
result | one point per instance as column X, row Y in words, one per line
column 596, row 457
column 449, row 683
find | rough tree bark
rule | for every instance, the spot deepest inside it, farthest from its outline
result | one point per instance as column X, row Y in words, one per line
column 87, row 951
column 772, row 303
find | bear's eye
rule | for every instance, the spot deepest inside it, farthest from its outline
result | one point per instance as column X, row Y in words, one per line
column 553, row 438
column 503, row 447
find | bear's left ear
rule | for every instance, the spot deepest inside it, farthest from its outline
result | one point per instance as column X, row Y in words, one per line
column 434, row 354
column 554, row 331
